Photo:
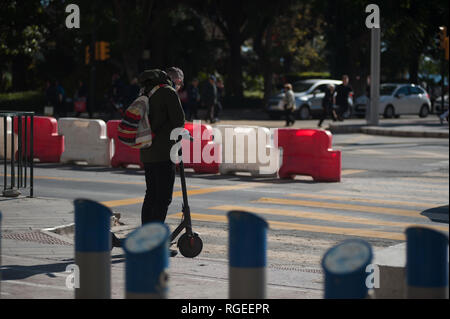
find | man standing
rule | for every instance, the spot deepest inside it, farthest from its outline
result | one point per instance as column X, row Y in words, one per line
column 342, row 95
column 289, row 104
column 165, row 114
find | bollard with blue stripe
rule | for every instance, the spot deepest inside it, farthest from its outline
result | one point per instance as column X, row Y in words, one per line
column 426, row 263
column 344, row 268
column 93, row 249
column 147, row 257
column 247, row 246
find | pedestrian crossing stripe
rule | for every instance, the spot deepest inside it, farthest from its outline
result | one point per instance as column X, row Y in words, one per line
column 308, row 228
column 322, row 216
column 201, row 191
column 425, row 200
column 359, row 208
column 364, row 200
column 345, row 172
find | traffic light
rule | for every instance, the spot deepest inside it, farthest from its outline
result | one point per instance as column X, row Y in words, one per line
column 87, row 55
column 104, row 50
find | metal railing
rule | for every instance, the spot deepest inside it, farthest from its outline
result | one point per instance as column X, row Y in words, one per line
column 25, row 154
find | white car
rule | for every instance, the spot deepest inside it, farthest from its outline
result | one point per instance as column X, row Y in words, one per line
column 308, row 99
column 399, row 99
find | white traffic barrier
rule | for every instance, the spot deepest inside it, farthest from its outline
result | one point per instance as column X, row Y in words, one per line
column 85, row 141
column 247, row 149
column 8, row 138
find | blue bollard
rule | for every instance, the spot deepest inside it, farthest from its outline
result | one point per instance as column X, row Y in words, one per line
column 93, row 249
column 147, row 257
column 247, row 245
column 344, row 267
column 426, row 263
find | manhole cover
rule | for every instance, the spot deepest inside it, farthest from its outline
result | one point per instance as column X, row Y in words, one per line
column 35, row 236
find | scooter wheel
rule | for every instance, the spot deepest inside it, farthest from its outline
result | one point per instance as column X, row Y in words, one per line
column 190, row 245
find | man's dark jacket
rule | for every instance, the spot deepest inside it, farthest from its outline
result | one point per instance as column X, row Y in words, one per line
column 165, row 114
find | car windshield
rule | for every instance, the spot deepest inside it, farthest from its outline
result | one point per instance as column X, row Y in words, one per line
column 301, row 86
column 387, row 89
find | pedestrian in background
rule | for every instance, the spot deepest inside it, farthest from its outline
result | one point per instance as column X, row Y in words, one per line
column 132, row 92
column 327, row 105
column 289, row 104
column 220, row 96
column 60, row 99
column 80, row 99
column 209, row 98
column 343, row 92
column 193, row 100
column 50, row 95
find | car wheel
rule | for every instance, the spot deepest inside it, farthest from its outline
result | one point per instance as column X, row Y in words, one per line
column 424, row 111
column 304, row 113
column 389, row 112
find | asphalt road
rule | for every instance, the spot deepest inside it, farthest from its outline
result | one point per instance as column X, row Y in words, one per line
column 387, row 184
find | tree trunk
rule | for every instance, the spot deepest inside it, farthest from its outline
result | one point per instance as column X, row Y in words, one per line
column 235, row 79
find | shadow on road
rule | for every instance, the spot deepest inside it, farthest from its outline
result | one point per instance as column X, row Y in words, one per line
column 437, row 214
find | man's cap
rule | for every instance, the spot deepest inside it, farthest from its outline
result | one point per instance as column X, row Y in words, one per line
column 151, row 75
column 212, row 77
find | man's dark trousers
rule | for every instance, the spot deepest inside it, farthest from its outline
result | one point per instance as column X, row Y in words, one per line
column 160, row 178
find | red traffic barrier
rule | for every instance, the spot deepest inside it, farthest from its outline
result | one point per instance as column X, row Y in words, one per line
column 309, row 152
column 203, row 155
column 123, row 154
column 48, row 145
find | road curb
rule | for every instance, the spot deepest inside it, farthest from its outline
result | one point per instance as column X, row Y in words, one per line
column 349, row 129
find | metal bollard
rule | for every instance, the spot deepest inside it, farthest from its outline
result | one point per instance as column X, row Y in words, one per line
column 147, row 257
column 93, row 249
column 426, row 263
column 247, row 245
column 344, row 267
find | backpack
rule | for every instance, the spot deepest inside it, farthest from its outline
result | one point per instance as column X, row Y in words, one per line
column 134, row 130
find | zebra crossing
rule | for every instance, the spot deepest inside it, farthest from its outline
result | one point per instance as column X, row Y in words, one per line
column 375, row 213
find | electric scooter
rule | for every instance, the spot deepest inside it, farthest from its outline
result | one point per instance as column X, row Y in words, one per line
column 189, row 244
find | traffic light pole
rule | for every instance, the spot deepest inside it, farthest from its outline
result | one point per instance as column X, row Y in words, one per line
column 91, row 101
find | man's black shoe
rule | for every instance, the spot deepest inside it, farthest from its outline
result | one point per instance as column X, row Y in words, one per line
column 173, row 252
column 116, row 242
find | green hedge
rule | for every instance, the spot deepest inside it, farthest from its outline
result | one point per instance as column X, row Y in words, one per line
column 23, row 101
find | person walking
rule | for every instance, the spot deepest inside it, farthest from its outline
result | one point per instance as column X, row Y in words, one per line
column 343, row 92
column 327, row 105
column 289, row 104
column 209, row 98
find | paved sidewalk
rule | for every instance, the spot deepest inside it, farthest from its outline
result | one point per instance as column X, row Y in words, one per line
column 403, row 127
column 34, row 260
